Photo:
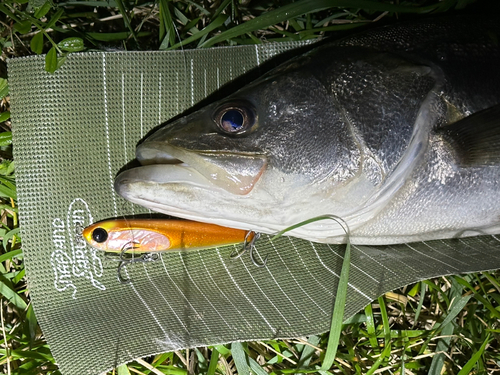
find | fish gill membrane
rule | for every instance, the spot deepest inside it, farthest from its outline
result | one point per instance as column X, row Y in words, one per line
column 395, row 130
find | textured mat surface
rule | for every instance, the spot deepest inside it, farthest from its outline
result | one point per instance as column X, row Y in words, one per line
column 74, row 130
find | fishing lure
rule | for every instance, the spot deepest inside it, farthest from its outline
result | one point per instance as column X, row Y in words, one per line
column 141, row 236
column 140, row 240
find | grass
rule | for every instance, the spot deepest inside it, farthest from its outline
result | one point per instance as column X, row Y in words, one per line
column 449, row 324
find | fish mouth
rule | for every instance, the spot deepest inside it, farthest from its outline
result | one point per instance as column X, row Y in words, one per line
column 236, row 173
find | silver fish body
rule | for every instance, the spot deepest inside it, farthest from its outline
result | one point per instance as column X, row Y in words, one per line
column 395, row 130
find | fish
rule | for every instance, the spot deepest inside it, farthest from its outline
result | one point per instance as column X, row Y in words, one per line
column 140, row 236
column 395, row 130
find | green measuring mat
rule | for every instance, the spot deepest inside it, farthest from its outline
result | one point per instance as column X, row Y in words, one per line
column 73, row 132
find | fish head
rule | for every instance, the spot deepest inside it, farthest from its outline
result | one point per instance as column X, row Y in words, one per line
column 260, row 159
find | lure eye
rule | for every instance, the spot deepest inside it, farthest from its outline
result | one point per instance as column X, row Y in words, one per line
column 99, row 235
column 235, row 117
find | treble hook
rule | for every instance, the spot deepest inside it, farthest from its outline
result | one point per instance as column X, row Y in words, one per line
column 126, row 259
column 250, row 246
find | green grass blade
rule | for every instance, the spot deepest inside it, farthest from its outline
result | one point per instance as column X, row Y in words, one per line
column 492, row 280
column 19, row 276
column 423, row 288
column 385, row 319
column 8, row 207
column 482, row 299
column 8, row 236
column 447, row 328
column 340, row 298
column 338, row 219
column 10, row 294
column 362, row 351
column 54, row 18
column 338, row 312
column 8, row 13
column 370, row 327
column 299, row 8
column 167, row 23
column 126, row 18
column 240, row 358
column 296, row 25
column 255, row 367
column 105, row 4
column 202, row 361
column 385, row 353
column 221, row 8
column 307, row 352
column 312, row 32
column 216, row 23
column 182, row 18
column 4, row 88
column 122, row 370
column 10, row 255
column 34, row 354
column 32, row 324
column 5, row 137
column 191, row 26
column 442, row 346
column 223, row 350
column 269, row 19
column 455, row 308
column 214, row 359
column 356, row 319
column 467, row 369
column 199, row 7
column 7, row 192
column 111, row 37
column 6, row 179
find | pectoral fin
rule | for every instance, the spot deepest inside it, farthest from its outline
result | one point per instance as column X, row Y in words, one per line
column 476, row 138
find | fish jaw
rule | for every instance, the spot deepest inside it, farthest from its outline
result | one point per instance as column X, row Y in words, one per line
column 236, row 173
column 172, row 189
column 277, row 202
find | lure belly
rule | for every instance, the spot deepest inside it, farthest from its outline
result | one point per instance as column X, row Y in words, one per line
column 154, row 235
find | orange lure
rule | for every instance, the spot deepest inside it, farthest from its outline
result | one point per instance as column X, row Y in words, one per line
column 153, row 235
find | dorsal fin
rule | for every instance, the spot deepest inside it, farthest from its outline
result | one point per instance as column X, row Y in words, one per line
column 476, row 138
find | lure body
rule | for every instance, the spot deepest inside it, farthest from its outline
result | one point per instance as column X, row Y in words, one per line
column 153, row 235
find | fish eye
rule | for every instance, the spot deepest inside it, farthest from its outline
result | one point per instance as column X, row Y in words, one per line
column 99, row 235
column 235, row 117
column 232, row 120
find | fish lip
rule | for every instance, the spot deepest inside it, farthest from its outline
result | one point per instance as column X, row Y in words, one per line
column 153, row 153
column 235, row 172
